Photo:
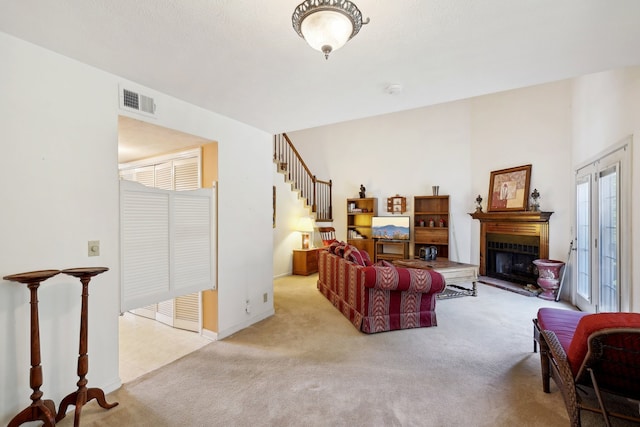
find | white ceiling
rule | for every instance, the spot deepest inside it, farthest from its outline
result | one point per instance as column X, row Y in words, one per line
column 242, row 58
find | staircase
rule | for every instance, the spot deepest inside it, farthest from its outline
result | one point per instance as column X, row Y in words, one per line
column 315, row 193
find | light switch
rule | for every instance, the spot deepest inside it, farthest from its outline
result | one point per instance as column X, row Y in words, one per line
column 94, row 247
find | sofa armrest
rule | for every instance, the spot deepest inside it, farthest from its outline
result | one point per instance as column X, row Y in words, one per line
column 403, row 279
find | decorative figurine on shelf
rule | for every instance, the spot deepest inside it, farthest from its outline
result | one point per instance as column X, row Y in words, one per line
column 478, row 204
column 535, row 204
column 362, row 190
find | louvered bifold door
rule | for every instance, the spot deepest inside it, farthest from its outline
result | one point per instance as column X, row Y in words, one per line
column 186, row 174
column 164, row 176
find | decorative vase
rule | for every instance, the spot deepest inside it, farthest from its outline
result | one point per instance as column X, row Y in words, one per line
column 548, row 277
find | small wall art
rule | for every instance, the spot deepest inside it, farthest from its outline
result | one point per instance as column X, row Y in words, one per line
column 397, row 204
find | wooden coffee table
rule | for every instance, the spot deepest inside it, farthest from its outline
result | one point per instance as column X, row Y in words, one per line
column 455, row 273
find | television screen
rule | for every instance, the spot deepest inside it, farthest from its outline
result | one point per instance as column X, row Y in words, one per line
column 390, row 227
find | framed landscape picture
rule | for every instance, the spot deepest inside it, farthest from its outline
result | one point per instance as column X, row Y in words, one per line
column 509, row 189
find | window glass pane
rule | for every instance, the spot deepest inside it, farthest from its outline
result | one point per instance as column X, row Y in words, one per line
column 583, row 191
column 608, row 187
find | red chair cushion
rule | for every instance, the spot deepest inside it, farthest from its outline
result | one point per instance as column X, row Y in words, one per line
column 592, row 323
column 562, row 322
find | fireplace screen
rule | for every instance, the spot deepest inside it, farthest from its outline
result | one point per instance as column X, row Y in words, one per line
column 510, row 257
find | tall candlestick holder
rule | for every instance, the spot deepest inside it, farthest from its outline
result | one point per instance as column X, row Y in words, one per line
column 83, row 394
column 40, row 409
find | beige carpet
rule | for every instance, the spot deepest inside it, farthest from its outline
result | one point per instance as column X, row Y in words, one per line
column 308, row 366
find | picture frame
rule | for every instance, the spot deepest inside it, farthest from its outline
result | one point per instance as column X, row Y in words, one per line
column 274, row 206
column 509, row 189
column 397, row 204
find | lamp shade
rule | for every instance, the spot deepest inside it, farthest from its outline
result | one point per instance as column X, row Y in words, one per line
column 305, row 224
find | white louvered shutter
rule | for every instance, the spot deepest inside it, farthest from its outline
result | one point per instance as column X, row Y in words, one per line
column 145, row 176
column 187, row 307
column 191, row 253
column 167, row 243
column 164, row 176
column 145, row 244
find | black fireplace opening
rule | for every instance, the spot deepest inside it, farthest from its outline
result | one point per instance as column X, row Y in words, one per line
column 510, row 257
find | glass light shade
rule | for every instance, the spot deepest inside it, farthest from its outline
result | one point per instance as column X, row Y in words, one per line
column 326, row 30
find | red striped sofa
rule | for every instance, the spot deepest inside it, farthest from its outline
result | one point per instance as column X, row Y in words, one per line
column 379, row 297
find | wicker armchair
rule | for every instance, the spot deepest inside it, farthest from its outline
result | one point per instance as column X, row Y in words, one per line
column 604, row 354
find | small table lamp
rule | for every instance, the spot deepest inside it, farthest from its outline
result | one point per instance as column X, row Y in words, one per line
column 305, row 227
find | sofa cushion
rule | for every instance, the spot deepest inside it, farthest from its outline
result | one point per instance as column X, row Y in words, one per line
column 337, row 248
column 366, row 257
column 384, row 263
column 351, row 253
column 403, row 279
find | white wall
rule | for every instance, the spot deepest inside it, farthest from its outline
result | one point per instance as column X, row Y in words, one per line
column 606, row 109
column 527, row 126
column 58, row 133
column 397, row 154
column 456, row 146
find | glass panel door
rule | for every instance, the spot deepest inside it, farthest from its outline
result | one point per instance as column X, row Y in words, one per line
column 602, row 265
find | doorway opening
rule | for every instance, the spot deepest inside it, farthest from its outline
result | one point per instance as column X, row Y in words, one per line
column 145, row 343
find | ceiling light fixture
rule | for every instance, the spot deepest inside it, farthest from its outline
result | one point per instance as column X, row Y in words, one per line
column 327, row 24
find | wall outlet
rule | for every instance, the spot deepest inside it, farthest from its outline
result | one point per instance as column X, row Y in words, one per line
column 248, row 307
column 265, row 297
column 93, row 248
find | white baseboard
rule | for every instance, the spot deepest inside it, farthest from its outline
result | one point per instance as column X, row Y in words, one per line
column 210, row 335
column 245, row 324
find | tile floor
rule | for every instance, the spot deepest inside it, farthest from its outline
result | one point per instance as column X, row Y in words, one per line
column 146, row 345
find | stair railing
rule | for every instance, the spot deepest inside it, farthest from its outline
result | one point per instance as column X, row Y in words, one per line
column 317, row 193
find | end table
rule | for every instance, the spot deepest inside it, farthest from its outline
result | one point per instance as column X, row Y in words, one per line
column 305, row 261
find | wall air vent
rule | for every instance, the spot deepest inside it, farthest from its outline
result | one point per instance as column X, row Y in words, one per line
column 133, row 101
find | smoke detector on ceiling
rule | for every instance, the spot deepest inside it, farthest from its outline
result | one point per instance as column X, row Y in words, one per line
column 393, row 89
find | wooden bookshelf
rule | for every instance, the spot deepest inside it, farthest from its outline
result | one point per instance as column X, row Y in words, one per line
column 359, row 216
column 431, row 221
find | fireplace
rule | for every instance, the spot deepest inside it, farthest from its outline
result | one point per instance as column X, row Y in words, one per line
column 510, row 241
column 510, row 257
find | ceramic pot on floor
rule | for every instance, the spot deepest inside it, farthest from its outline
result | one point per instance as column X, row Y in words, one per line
column 548, row 277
